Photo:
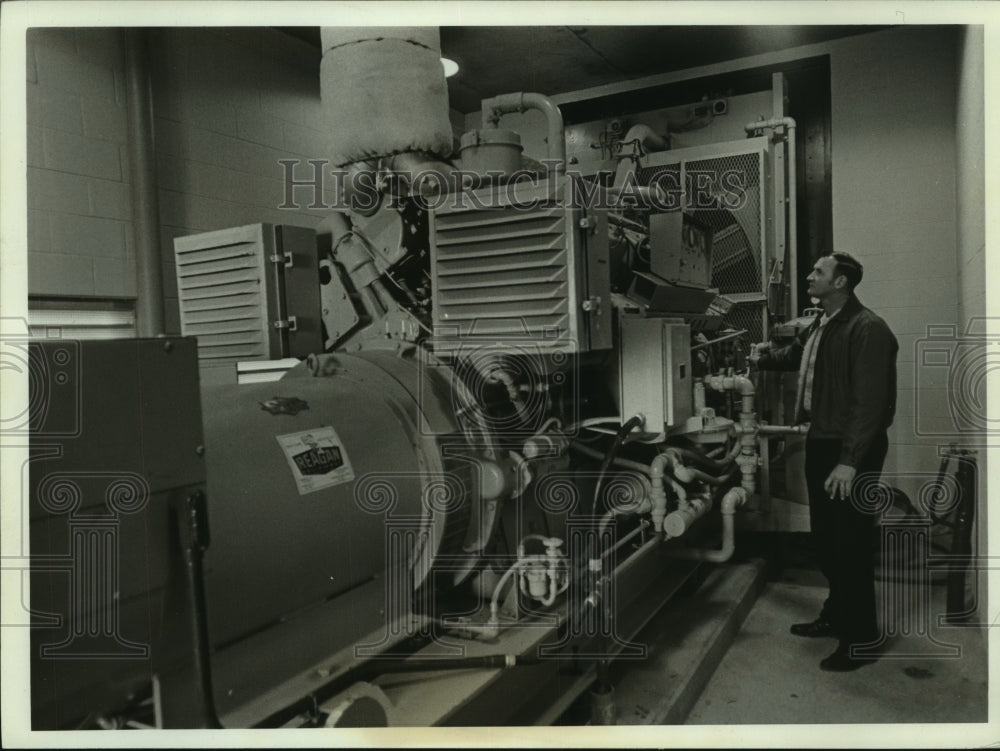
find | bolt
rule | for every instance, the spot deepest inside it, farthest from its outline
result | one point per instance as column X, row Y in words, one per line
column 168, row 346
column 199, row 450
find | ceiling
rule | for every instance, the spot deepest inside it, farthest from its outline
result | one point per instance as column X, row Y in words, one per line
column 558, row 59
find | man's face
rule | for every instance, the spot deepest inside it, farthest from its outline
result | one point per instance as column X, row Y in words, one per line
column 823, row 280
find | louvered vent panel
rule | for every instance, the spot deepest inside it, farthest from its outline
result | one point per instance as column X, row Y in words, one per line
column 504, row 273
column 222, row 295
column 739, row 257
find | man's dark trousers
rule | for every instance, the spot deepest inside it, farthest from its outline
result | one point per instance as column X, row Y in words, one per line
column 843, row 534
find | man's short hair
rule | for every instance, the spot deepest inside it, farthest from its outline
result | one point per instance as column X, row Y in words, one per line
column 849, row 267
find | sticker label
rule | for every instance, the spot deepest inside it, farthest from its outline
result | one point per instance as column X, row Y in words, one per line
column 317, row 459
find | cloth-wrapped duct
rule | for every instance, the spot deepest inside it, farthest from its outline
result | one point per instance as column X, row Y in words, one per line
column 384, row 92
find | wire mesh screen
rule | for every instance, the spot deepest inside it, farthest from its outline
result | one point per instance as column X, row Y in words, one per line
column 724, row 192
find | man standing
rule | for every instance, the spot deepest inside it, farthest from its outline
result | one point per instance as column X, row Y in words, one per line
column 846, row 361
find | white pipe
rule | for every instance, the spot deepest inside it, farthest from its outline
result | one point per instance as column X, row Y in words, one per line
column 747, row 460
column 738, row 383
column 783, row 429
column 495, row 603
column 788, row 124
column 678, row 522
column 648, row 138
column 495, row 108
column 658, row 495
column 734, row 498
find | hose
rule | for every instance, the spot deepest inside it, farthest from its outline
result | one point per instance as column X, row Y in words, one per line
column 618, row 462
column 707, row 463
column 610, row 455
column 690, row 474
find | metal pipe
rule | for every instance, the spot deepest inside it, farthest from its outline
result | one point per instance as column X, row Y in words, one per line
column 788, row 124
column 626, row 538
column 621, row 221
column 142, row 169
column 730, row 501
column 654, row 195
column 495, row 108
column 648, row 138
column 678, row 522
column 747, row 460
column 452, row 663
column 783, row 429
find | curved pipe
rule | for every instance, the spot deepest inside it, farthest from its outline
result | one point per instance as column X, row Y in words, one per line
column 747, row 460
column 648, row 138
column 706, row 462
column 494, row 372
column 733, row 499
column 788, row 124
column 690, row 474
column 679, row 521
column 495, row 108
column 425, row 174
column 633, row 422
column 741, row 384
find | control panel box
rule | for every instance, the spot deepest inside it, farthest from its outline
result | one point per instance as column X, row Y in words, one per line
column 652, row 371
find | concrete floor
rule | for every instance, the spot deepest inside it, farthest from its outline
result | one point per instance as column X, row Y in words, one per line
column 769, row 676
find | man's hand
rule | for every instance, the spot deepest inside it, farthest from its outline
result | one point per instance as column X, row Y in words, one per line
column 838, row 484
column 756, row 350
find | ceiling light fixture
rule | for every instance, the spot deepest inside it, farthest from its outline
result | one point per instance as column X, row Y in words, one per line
column 450, row 67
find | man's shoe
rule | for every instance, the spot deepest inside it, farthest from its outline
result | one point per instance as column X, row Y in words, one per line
column 813, row 629
column 842, row 662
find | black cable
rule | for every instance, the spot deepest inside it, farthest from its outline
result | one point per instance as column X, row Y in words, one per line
column 705, row 463
column 610, row 455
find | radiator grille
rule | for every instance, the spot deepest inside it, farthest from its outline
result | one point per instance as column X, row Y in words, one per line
column 222, row 295
column 504, row 273
column 738, row 233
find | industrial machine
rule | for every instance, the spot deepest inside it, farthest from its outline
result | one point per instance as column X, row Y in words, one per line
column 519, row 418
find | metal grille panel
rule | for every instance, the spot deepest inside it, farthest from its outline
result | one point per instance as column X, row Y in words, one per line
column 504, row 273
column 221, row 293
column 729, row 201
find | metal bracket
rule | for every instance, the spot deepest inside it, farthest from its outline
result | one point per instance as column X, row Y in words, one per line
column 592, row 305
column 283, row 258
column 291, row 323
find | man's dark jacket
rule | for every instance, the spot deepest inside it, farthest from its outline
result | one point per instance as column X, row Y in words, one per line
column 854, row 380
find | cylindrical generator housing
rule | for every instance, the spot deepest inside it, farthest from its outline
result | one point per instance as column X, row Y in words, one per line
column 331, row 494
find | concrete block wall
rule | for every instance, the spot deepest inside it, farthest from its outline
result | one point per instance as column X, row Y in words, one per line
column 970, row 167
column 79, row 229
column 229, row 104
column 970, row 125
column 894, row 186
